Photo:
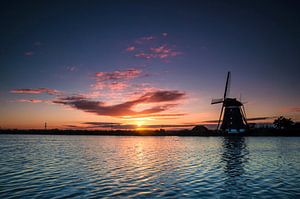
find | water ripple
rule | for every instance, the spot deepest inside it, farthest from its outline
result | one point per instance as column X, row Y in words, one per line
column 148, row 167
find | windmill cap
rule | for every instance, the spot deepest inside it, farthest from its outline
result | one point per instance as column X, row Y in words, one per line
column 232, row 102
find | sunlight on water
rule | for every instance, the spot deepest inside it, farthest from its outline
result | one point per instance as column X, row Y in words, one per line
column 33, row 166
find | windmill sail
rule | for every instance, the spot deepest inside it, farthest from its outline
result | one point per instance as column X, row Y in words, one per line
column 217, row 101
column 248, row 119
column 227, row 86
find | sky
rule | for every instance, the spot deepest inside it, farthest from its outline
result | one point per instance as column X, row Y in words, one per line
column 145, row 64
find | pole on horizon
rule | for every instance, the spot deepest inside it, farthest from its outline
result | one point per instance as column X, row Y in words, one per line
column 45, row 125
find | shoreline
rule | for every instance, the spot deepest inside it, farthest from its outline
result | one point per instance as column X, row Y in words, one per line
column 181, row 133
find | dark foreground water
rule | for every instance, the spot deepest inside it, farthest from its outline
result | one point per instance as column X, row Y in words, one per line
column 38, row 166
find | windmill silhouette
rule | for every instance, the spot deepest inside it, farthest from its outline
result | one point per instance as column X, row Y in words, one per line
column 234, row 117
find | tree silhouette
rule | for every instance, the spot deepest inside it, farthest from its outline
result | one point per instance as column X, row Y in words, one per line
column 283, row 123
column 200, row 129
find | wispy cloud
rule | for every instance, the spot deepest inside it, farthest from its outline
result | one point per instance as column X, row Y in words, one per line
column 151, row 47
column 294, row 109
column 126, row 74
column 126, row 108
column 36, row 91
column 32, row 100
column 115, row 80
column 71, row 68
column 160, row 52
column 73, row 97
column 28, row 53
column 130, row 48
column 166, row 115
column 116, row 125
column 142, row 40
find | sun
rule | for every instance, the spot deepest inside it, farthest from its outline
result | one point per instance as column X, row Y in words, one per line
column 140, row 123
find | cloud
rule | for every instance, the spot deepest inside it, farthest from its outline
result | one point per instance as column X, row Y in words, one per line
column 32, row 100
column 142, row 40
column 293, row 109
column 126, row 108
column 93, row 94
column 71, row 68
column 126, row 74
column 36, row 91
column 147, row 38
column 160, row 52
column 161, row 49
column 116, row 80
column 151, row 47
column 102, row 123
column 112, row 125
column 163, row 96
column 74, row 97
column 29, row 53
column 248, row 119
column 163, row 116
column 117, row 85
column 130, row 48
column 145, row 55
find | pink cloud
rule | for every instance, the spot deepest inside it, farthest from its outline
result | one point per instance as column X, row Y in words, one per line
column 159, row 115
column 292, row 109
column 36, row 91
column 143, row 40
column 116, row 80
column 92, row 94
column 117, row 85
column 147, row 50
column 32, row 100
column 161, row 52
column 126, row 74
column 130, row 48
column 295, row 109
column 117, row 125
column 126, row 108
column 110, row 85
column 145, row 55
column 161, row 49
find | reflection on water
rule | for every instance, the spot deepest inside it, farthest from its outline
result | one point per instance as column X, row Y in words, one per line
column 234, row 156
column 148, row 167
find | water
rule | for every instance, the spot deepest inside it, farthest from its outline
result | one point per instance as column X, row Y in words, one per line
column 45, row 166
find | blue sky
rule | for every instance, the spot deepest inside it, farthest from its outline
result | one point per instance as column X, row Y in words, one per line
column 62, row 45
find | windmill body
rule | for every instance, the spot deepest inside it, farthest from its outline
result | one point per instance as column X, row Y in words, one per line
column 234, row 119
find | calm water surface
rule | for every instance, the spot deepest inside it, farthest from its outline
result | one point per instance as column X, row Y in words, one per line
column 45, row 166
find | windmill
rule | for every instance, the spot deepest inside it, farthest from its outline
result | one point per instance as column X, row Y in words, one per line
column 234, row 118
